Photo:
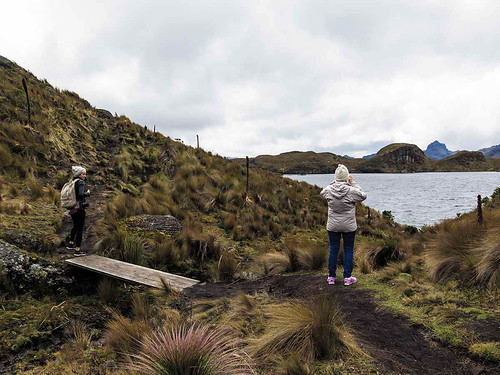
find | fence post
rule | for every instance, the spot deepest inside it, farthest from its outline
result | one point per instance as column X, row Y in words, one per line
column 248, row 163
column 197, row 141
column 479, row 210
column 28, row 100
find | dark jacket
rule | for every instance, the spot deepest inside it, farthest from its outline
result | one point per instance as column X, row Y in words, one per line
column 81, row 194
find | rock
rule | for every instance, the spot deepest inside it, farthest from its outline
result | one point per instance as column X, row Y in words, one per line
column 104, row 113
column 25, row 272
column 6, row 63
column 159, row 223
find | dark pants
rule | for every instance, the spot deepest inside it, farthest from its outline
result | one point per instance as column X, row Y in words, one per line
column 334, row 238
column 78, row 223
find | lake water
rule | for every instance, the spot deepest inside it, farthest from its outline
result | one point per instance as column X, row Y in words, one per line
column 419, row 198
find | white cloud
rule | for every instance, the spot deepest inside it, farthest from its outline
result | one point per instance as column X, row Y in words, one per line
column 267, row 77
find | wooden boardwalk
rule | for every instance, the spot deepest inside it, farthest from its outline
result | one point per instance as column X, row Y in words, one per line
column 131, row 272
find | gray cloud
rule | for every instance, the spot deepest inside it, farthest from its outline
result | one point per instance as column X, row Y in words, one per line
column 259, row 77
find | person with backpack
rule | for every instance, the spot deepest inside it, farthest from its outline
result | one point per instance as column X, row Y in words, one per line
column 73, row 197
column 342, row 195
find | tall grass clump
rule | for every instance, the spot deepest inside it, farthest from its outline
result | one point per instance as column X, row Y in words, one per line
column 313, row 329
column 80, row 336
column 313, row 257
column 107, row 290
column 488, row 267
column 451, row 252
column 124, row 336
column 132, row 250
column 196, row 350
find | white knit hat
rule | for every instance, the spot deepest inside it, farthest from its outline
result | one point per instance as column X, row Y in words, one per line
column 77, row 170
column 342, row 173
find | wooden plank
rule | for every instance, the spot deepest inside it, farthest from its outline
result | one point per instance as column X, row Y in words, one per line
column 131, row 272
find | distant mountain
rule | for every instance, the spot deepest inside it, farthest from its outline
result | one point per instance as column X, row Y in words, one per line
column 347, row 156
column 369, row 156
column 491, row 152
column 437, row 151
column 393, row 158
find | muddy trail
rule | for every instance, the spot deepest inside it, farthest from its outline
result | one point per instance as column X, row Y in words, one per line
column 394, row 342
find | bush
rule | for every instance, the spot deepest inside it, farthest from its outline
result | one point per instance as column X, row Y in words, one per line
column 313, row 329
column 190, row 350
column 410, row 229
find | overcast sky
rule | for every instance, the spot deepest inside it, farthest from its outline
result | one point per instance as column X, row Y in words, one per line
column 265, row 77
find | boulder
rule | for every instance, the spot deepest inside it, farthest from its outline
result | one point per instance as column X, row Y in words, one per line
column 6, row 63
column 166, row 224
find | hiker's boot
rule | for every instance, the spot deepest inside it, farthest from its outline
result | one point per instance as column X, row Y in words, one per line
column 350, row 280
column 331, row 280
column 79, row 253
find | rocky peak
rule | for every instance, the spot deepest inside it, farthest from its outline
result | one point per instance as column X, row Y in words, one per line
column 437, row 151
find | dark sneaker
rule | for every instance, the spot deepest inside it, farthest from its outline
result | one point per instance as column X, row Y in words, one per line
column 79, row 253
column 70, row 246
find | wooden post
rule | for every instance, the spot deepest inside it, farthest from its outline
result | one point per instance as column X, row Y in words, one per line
column 479, row 210
column 248, row 164
column 28, row 100
column 369, row 213
column 197, row 141
column 154, row 129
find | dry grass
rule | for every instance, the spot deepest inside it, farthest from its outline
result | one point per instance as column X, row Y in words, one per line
column 108, row 292
column 450, row 253
column 227, row 266
column 488, row 267
column 313, row 329
column 124, row 336
column 190, row 350
column 141, row 307
column 313, row 257
column 80, row 336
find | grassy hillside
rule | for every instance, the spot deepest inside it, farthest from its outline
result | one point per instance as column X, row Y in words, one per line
column 265, row 307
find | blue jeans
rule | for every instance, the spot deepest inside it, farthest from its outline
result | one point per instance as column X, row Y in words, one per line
column 334, row 238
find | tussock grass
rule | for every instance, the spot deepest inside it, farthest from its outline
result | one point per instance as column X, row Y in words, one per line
column 190, row 350
column 313, row 257
column 488, row 267
column 141, row 307
column 107, row 290
column 313, row 329
column 294, row 365
column 451, row 252
column 124, row 336
column 227, row 266
column 80, row 336
column 165, row 253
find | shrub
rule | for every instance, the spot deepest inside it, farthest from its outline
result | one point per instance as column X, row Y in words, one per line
column 410, row 229
column 388, row 215
column 313, row 329
column 35, row 188
column 190, row 350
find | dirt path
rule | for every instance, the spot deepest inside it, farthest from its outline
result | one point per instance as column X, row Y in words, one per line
column 395, row 343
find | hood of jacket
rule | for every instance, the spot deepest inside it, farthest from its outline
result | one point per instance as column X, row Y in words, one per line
column 339, row 189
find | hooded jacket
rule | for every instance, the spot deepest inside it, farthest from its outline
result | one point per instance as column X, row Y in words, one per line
column 342, row 198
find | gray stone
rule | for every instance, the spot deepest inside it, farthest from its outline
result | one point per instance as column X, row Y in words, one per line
column 6, row 63
column 104, row 113
column 160, row 223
